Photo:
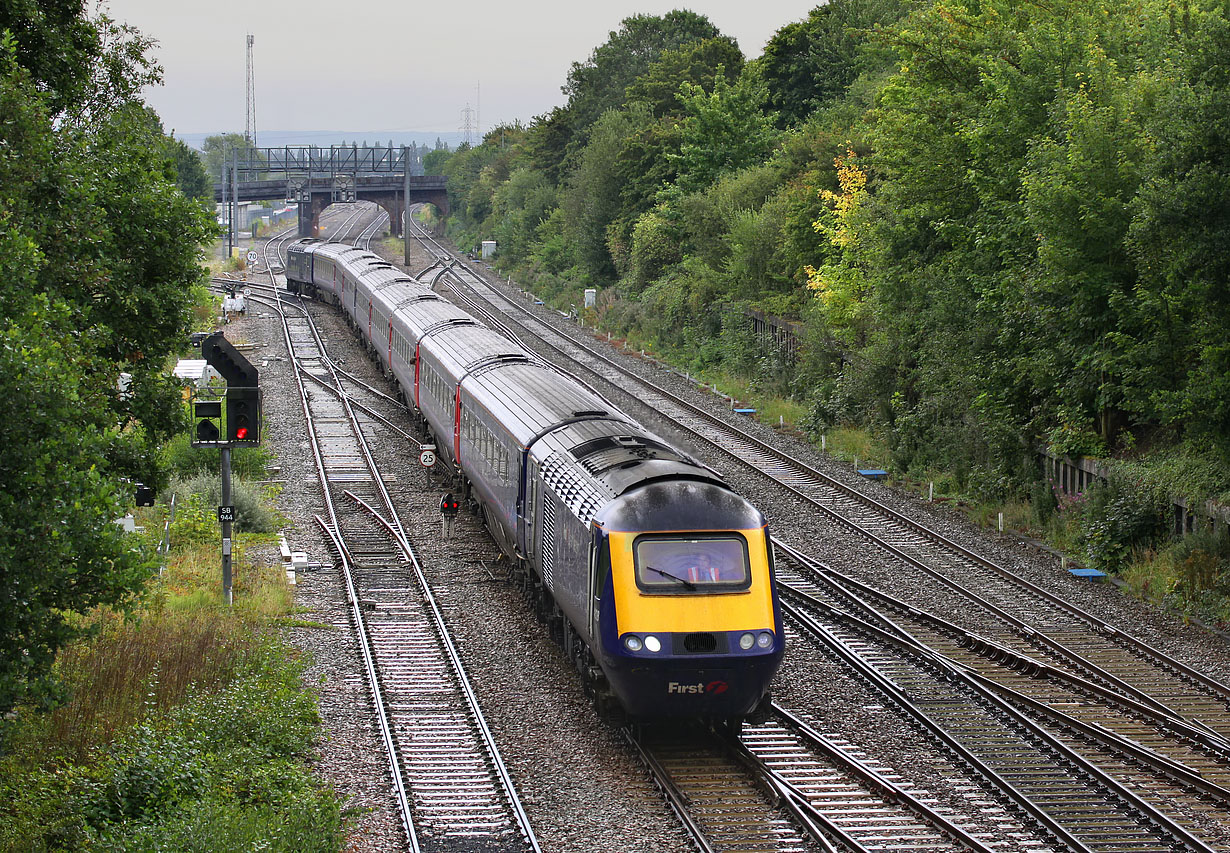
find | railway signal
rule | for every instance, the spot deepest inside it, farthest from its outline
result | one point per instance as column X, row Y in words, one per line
column 449, row 507
column 242, row 417
column 206, row 415
column 242, row 389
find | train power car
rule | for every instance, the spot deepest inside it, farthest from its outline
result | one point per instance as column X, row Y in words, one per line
column 657, row 578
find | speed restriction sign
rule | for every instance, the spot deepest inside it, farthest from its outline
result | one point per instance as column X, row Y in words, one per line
column 427, row 455
column 252, row 257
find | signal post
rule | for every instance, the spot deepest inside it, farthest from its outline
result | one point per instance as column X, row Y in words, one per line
column 241, row 418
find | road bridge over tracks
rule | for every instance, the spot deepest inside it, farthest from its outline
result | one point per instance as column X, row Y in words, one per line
column 314, row 177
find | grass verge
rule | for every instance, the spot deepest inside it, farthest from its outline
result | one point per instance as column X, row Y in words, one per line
column 186, row 725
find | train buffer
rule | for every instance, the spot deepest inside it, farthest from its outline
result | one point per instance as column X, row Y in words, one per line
column 1091, row 575
column 873, row 473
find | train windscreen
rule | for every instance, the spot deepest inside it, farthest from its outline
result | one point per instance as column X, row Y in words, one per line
column 676, row 564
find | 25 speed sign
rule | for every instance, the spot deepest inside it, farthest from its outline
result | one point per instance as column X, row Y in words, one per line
column 427, row 456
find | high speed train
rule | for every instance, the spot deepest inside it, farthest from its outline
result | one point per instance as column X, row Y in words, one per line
column 656, row 577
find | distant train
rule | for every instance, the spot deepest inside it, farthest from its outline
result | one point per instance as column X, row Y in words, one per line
column 656, row 577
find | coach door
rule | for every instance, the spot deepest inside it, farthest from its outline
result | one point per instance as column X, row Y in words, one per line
column 531, row 507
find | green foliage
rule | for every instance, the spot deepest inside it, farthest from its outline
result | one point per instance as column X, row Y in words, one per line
column 180, row 459
column 98, row 251
column 697, row 63
column 224, row 770
column 222, row 149
column 655, row 247
column 1202, row 560
column 1118, row 518
column 810, row 63
column 1179, row 342
column 196, row 518
column 191, row 177
column 519, row 207
column 1044, row 502
column 600, row 83
column 59, row 551
column 433, row 161
column 999, row 221
column 722, row 131
column 592, row 200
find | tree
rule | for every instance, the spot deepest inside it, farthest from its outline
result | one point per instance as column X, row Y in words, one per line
column 600, row 84
column 811, row 62
column 434, row 160
column 722, row 131
column 218, row 153
column 592, row 199
column 191, row 177
column 98, row 252
column 996, row 285
column 1177, row 238
column 698, row 63
column 519, row 206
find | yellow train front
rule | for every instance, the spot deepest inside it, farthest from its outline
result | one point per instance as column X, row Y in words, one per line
column 687, row 624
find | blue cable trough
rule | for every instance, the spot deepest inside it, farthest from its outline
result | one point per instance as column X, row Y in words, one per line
column 873, row 473
column 748, row 412
column 1092, row 575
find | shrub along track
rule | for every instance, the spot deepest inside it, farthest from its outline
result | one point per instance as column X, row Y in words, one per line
column 1118, row 669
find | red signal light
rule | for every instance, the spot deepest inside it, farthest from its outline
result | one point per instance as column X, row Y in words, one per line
column 241, row 433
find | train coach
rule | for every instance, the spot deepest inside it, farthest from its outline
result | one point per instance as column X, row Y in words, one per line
column 656, row 577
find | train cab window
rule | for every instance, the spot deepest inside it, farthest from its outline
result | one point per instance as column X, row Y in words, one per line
column 683, row 565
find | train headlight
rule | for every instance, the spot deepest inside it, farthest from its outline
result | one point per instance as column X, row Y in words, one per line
column 653, row 643
column 632, row 643
column 764, row 640
column 747, row 641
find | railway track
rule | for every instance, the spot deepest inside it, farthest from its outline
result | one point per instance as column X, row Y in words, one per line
column 780, row 767
column 782, row 786
column 1073, row 789
column 1051, row 626
column 451, row 786
column 1092, row 786
column 1179, row 713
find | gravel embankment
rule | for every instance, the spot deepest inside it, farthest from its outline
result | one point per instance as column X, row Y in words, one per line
column 580, row 785
column 582, row 788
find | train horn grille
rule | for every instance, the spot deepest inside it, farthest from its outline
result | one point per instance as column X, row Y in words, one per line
column 700, row 643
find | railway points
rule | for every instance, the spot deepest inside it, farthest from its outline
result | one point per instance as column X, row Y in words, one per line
column 1012, row 820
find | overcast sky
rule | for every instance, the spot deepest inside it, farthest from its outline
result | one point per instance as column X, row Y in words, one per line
column 392, row 65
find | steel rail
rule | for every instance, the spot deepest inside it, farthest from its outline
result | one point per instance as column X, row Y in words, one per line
column 674, row 796
column 331, row 528
column 373, row 681
column 1006, row 656
column 398, row 535
column 392, row 525
column 958, row 674
column 870, row 777
column 1027, row 631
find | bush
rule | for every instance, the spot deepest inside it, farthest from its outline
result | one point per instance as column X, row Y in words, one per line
column 196, row 519
column 1202, row 559
column 1118, row 518
column 234, row 755
column 226, row 770
column 1042, row 498
column 184, row 460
